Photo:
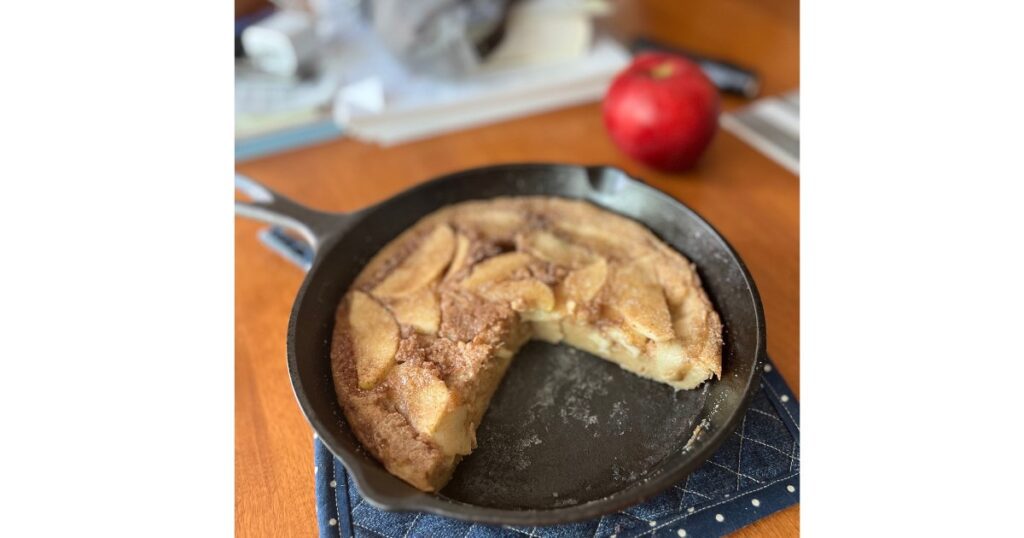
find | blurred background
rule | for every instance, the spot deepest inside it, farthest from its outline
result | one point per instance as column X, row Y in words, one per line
column 389, row 72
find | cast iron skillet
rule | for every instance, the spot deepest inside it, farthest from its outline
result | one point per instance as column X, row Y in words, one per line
column 568, row 436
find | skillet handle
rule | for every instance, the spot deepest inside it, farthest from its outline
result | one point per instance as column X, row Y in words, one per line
column 268, row 206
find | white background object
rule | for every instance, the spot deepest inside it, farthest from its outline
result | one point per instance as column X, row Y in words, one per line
column 281, row 43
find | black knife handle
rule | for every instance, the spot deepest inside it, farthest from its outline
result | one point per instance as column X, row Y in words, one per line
column 726, row 76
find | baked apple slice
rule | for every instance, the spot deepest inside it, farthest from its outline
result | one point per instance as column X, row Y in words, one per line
column 374, row 333
column 421, row 267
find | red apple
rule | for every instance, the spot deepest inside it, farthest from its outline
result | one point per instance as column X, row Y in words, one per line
column 662, row 111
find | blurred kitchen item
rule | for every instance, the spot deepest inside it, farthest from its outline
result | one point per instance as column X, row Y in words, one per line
column 727, row 77
column 394, row 109
column 281, row 44
column 533, row 70
column 772, row 125
column 258, row 93
column 282, row 93
column 274, row 113
column 334, row 17
column 548, row 58
column 244, row 21
column 546, row 31
column 440, row 37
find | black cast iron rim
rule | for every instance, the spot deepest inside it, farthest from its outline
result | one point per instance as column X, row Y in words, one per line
column 415, row 500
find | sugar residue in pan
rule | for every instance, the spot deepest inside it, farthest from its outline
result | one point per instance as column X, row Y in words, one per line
column 566, row 422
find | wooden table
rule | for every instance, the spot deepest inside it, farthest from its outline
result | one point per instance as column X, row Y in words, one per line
column 750, row 199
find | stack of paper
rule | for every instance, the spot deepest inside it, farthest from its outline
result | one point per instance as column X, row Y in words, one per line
column 397, row 111
column 274, row 114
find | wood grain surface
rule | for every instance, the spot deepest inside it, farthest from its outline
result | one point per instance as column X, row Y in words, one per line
column 752, row 201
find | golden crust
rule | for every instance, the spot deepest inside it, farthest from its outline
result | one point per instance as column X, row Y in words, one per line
column 470, row 283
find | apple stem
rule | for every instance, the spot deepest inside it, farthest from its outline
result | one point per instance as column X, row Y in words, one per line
column 662, row 70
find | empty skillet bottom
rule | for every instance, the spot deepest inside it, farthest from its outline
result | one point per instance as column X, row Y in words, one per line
column 566, row 427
